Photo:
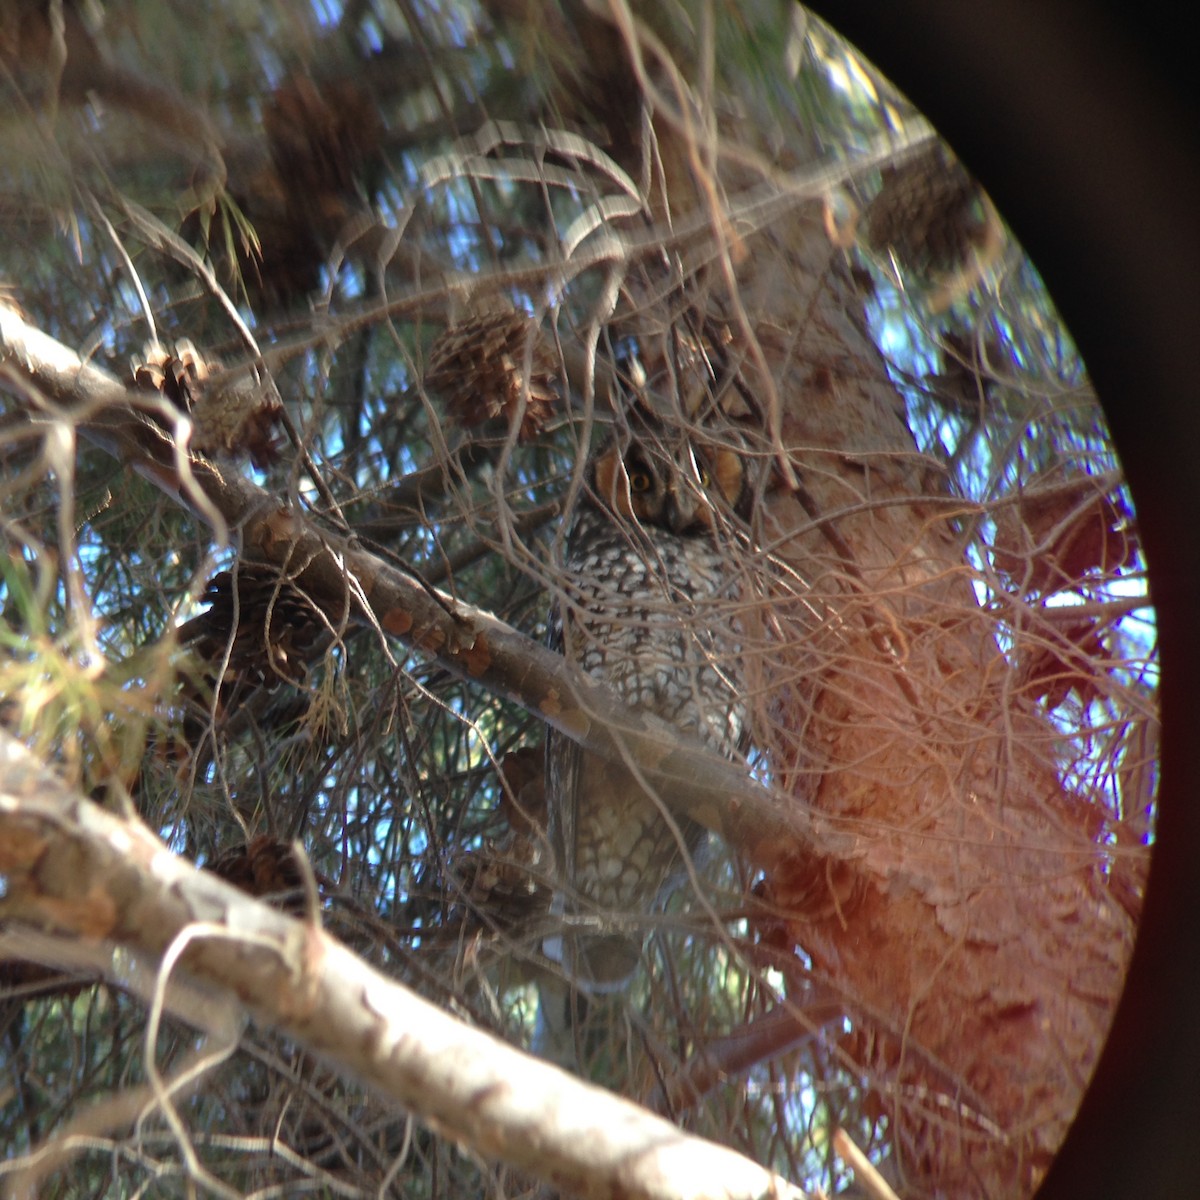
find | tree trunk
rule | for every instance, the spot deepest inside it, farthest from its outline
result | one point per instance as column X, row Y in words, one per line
column 976, row 937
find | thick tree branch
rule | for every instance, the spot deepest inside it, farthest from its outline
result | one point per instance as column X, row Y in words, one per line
column 72, row 868
column 352, row 583
column 762, row 1039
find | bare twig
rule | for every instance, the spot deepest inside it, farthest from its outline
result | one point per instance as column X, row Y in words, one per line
column 865, row 1173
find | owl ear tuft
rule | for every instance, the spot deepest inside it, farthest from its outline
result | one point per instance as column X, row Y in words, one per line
column 729, row 475
column 612, row 481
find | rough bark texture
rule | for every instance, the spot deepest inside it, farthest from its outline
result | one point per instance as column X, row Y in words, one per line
column 975, row 932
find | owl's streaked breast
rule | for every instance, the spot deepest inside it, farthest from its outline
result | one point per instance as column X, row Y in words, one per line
column 650, row 612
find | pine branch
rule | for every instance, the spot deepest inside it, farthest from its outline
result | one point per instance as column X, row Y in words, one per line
column 352, row 584
column 74, row 869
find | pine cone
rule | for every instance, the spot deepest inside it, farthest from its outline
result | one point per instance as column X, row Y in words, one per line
column 227, row 418
column 500, row 885
column 320, row 136
column 928, row 213
column 323, row 140
column 480, row 367
column 265, row 866
column 523, row 797
column 179, row 376
column 277, row 626
column 240, row 419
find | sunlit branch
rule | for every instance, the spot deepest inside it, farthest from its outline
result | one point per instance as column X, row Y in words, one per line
column 73, row 868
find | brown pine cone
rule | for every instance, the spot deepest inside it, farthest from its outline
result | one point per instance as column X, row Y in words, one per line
column 481, row 368
column 228, row 417
column 928, row 213
column 266, row 866
column 277, row 626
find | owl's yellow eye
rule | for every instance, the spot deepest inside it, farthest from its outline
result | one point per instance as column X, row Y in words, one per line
column 639, row 481
column 705, row 478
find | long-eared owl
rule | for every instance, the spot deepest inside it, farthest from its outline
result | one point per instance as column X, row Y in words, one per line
column 646, row 606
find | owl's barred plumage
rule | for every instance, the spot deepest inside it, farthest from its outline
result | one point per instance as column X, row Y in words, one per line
column 647, row 608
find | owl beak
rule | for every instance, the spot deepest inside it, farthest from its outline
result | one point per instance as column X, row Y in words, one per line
column 681, row 510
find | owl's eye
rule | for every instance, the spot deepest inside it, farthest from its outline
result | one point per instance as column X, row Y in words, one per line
column 639, row 481
column 705, row 478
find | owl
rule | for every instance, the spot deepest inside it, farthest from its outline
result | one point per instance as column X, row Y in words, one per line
column 645, row 606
